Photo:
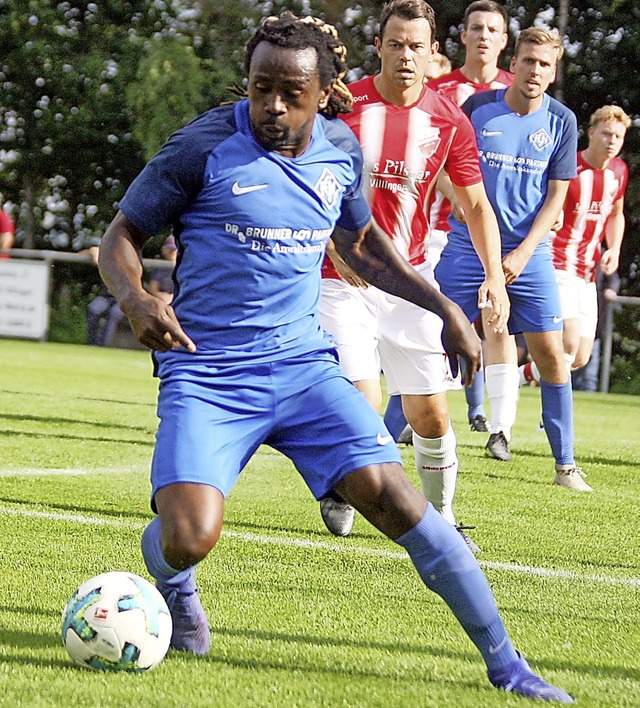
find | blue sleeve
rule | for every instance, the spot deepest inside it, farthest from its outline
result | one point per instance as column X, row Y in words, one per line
column 564, row 161
column 174, row 176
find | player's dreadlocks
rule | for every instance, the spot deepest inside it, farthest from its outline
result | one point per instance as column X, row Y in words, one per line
column 291, row 32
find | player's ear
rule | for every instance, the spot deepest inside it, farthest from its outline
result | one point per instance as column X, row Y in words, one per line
column 435, row 46
column 512, row 64
column 324, row 99
column 377, row 43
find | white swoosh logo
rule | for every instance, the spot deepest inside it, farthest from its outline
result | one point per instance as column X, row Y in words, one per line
column 237, row 189
column 384, row 439
column 490, row 133
column 495, row 650
column 557, row 319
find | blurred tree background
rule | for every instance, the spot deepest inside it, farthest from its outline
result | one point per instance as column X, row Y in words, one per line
column 90, row 90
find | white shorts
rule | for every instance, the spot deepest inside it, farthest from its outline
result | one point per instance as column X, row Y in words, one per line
column 578, row 300
column 437, row 241
column 374, row 331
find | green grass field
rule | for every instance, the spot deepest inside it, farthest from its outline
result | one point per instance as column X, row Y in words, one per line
column 298, row 617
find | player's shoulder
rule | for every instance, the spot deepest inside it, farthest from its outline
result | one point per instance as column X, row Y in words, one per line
column 504, row 77
column 339, row 134
column 563, row 112
column 192, row 143
column 484, row 98
column 363, row 91
column 446, row 82
column 440, row 105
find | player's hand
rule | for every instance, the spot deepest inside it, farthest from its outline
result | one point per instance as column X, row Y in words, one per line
column 513, row 264
column 347, row 273
column 493, row 294
column 610, row 261
column 460, row 339
column 155, row 325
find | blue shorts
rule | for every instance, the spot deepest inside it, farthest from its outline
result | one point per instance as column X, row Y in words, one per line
column 535, row 302
column 213, row 418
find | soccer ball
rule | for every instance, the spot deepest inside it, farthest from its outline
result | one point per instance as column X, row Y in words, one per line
column 116, row 622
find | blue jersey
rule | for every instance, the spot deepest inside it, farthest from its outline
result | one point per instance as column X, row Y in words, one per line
column 518, row 157
column 251, row 228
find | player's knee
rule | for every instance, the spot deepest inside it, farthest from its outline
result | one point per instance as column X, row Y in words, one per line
column 185, row 544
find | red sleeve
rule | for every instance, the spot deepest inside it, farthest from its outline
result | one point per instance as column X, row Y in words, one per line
column 463, row 164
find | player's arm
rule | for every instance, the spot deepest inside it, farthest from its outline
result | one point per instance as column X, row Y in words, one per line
column 445, row 186
column 614, row 232
column 344, row 271
column 513, row 263
column 372, row 255
column 153, row 322
column 485, row 237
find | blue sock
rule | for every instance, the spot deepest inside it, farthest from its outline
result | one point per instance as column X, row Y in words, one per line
column 394, row 417
column 155, row 560
column 557, row 416
column 450, row 569
column 475, row 396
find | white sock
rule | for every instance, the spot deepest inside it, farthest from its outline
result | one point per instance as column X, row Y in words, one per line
column 502, row 381
column 437, row 465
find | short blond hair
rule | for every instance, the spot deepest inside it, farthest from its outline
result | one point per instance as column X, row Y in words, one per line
column 538, row 35
column 606, row 113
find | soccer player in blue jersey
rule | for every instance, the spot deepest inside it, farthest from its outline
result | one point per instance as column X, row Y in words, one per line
column 527, row 142
column 252, row 192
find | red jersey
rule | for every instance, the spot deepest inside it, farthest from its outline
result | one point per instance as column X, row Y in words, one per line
column 404, row 149
column 458, row 88
column 6, row 223
column 587, row 208
column 6, row 226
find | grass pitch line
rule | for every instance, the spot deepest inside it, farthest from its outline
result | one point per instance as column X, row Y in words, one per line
column 69, row 471
column 322, row 545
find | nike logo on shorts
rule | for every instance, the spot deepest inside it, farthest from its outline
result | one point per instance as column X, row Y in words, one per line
column 557, row 319
column 238, row 190
column 384, row 439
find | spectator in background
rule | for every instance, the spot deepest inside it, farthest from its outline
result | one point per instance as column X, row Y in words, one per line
column 7, row 233
column 103, row 312
column 161, row 279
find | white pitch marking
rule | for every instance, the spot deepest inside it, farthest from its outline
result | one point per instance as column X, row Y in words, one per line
column 61, row 471
column 324, row 546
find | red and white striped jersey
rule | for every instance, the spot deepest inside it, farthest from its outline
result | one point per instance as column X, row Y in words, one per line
column 404, row 149
column 458, row 88
column 576, row 247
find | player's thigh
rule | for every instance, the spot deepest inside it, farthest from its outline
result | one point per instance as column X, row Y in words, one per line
column 411, row 350
column 325, row 425
column 459, row 276
column 569, row 292
column 210, row 425
column 349, row 315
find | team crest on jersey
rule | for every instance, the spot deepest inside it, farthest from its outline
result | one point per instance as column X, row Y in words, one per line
column 429, row 141
column 328, row 188
column 540, row 139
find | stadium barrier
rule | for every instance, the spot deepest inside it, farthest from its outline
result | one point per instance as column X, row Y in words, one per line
column 607, row 336
column 25, row 299
column 25, row 288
